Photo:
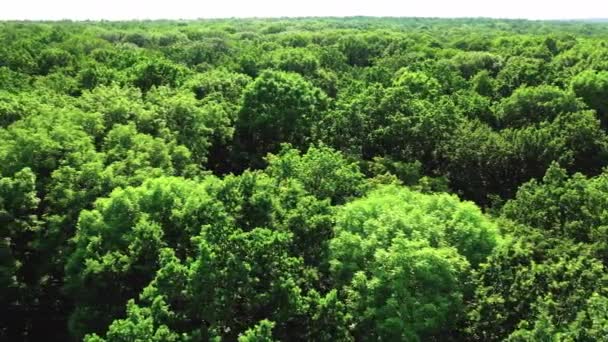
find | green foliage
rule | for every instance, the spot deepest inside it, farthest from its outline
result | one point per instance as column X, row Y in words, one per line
column 530, row 105
column 483, row 83
column 356, row 50
column 322, row 171
column 296, row 180
column 417, row 83
column 228, row 84
column 470, row 63
column 402, row 258
column 520, row 71
column 498, row 161
column 592, row 87
column 13, row 81
column 15, row 107
column 572, row 207
column 532, row 285
column 20, row 222
column 150, row 73
column 122, row 239
column 299, row 60
column 262, row 332
column 194, row 124
column 117, row 105
column 52, row 58
column 278, row 107
column 590, row 324
column 138, row 326
column 392, row 122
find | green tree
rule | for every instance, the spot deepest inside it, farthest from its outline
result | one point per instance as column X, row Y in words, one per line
column 18, row 273
column 520, row 71
column 470, row 63
column 529, row 105
column 323, row 172
column 533, row 282
column 150, row 73
column 592, row 87
column 401, row 258
column 52, row 58
column 277, row 107
column 262, row 332
column 565, row 207
column 200, row 126
column 118, row 244
column 229, row 85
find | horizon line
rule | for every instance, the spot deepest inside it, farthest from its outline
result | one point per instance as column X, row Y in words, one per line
column 135, row 19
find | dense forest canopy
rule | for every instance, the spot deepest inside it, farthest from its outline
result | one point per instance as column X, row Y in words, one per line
column 335, row 179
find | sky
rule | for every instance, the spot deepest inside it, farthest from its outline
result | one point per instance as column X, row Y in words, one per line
column 193, row 9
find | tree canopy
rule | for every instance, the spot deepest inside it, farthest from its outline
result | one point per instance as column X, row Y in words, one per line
column 310, row 179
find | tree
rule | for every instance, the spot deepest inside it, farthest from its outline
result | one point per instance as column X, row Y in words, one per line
column 592, row 87
column 20, row 223
column 472, row 154
column 149, row 73
column 277, row 107
column 470, row 63
column 533, row 281
column 296, row 180
column 590, row 323
column 323, row 171
column 15, row 107
column 299, row 60
column 483, row 83
column 401, row 257
column 117, row 105
column 200, row 126
column 119, row 242
column 229, row 85
column 139, row 325
column 530, row 105
column 520, row 71
column 357, row 50
column 417, row 83
column 391, row 122
column 52, row 58
column 262, row 332
column 565, row 207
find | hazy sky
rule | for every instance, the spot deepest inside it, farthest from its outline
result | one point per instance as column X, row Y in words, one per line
column 191, row 9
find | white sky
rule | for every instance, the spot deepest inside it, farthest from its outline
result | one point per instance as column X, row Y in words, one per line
column 192, row 9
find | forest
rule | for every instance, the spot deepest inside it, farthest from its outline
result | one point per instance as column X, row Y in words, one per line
column 312, row 179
